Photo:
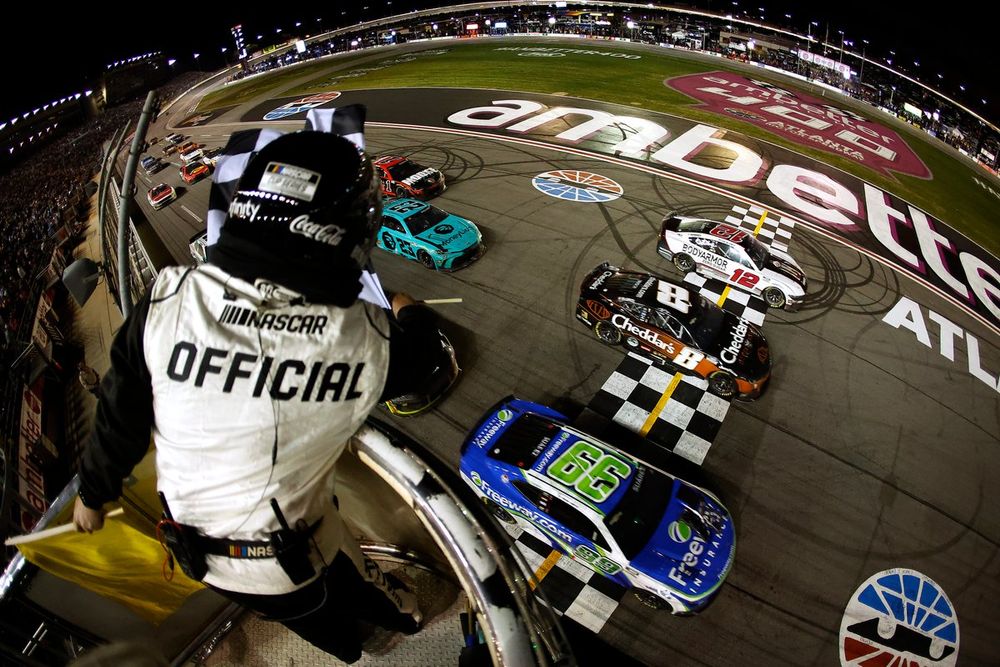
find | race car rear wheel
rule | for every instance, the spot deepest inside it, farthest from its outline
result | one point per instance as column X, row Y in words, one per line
column 426, row 260
column 398, row 191
column 774, row 297
column 500, row 513
column 684, row 263
column 722, row 384
column 650, row 600
column 607, row 333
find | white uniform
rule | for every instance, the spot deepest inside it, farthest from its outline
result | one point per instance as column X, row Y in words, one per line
column 237, row 372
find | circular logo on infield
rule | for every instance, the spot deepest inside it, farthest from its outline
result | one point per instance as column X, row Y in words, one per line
column 505, row 415
column 899, row 617
column 679, row 531
column 580, row 186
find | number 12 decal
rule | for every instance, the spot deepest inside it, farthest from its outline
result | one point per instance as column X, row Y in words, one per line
column 744, row 278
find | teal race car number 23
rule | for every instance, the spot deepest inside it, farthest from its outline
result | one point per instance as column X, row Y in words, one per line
column 590, row 471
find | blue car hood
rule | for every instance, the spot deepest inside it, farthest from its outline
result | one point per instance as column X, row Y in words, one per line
column 451, row 234
column 677, row 555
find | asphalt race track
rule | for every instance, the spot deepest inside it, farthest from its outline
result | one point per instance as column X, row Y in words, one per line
column 869, row 451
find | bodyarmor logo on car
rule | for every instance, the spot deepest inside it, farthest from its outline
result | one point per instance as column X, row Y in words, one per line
column 705, row 256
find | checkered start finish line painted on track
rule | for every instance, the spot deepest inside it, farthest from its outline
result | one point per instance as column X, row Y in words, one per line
column 672, row 411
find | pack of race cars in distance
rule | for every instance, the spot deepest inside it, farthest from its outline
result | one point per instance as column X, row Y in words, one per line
column 670, row 541
column 734, row 256
column 674, row 327
column 437, row 239
column 402, row 177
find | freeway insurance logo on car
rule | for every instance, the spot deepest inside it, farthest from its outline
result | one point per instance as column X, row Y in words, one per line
column 899, row 617
column 579, row 186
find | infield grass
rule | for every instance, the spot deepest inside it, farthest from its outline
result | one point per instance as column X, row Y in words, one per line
column 952, row 195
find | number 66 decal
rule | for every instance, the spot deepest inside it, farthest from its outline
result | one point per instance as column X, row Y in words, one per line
column 744, row 278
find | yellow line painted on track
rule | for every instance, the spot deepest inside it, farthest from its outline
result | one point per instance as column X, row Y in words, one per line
column 722, row 297
column 760, row 223
column 544, row 568
column 660, row 404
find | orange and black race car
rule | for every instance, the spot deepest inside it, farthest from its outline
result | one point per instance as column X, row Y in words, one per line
column 402, row 177
column 194, row 172
column 672, row 326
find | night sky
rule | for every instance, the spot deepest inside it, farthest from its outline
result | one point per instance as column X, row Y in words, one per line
column 62, row 49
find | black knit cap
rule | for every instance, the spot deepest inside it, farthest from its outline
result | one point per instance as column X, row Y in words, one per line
column 305, row 213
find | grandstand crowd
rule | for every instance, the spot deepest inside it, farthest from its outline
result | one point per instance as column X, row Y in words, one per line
column 36, row 195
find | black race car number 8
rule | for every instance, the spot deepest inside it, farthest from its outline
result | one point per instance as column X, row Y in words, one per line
column 672, row 296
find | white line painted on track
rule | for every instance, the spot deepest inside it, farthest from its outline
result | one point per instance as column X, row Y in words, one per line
column 895, row 268
column 189, row 212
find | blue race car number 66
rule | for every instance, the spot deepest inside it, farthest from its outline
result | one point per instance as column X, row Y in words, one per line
column 590, row 471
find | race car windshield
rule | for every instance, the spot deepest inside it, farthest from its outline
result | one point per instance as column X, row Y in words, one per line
column 420, row 222
column 754, row 248
column 640, row 511
column 404, row 170
column 704, row 322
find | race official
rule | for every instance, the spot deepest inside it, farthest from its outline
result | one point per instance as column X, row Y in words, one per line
column 251, row 373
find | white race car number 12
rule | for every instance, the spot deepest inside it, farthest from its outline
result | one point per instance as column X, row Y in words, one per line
column 672, row 296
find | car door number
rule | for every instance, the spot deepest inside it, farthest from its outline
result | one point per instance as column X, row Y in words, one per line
column 688, row 358
column 405, row 248
column 744, row 278
column 587, row 469
column 596, row 560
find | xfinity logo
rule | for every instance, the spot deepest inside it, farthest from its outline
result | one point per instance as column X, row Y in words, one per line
column 328, row 234
column 729, row 352
column 244, row 209
column 705, row 256
column 625, row 323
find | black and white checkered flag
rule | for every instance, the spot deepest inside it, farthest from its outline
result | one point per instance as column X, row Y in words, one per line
column 347, row 122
